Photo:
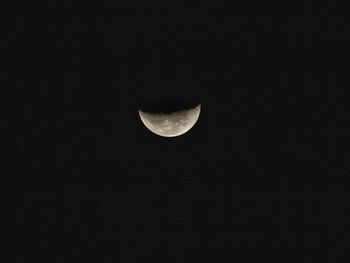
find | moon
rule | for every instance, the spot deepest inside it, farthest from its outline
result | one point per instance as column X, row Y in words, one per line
column 170, row 124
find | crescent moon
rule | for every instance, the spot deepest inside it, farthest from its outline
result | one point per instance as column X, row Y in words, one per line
column 170, row 124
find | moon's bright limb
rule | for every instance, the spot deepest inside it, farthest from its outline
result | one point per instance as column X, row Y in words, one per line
column 170, row 124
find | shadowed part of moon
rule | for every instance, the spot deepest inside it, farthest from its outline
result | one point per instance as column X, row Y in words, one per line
column 167, row 105
column 170, row 124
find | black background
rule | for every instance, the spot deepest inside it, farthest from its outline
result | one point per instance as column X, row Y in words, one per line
column 261, row 177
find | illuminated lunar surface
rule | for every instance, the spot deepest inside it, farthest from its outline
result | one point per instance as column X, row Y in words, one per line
column 170, row 124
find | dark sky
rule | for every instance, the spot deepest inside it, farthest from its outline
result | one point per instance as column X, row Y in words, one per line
column 261, row 177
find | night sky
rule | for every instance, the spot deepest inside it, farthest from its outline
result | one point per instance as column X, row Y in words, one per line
column 261, row 177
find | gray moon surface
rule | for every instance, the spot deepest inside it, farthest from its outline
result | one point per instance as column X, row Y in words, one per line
column 171, row 124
